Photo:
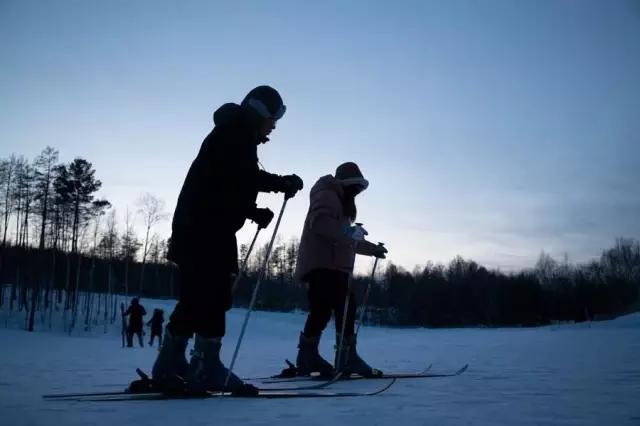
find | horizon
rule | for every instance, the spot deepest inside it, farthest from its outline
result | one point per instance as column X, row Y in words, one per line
column 481, row 134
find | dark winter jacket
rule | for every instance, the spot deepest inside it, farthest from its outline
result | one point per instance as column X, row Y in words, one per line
column 156, row 320
column 135, row 312
column 220, row 192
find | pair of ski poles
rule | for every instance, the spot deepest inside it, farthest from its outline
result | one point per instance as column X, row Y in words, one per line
column 256, row 288
column 363, row 307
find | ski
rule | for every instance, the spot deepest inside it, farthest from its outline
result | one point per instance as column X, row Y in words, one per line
column 409, row 375
column 289, row 375
column 125, row 392
column 263, row 394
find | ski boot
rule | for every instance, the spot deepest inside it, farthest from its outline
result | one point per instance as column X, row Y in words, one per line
column 169, row 385
column 170, row 366
column 207, row 373
column 309, row 359
column 350, row 361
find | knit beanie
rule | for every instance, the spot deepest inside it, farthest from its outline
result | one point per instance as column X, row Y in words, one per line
column 349, row 174
column 265, row 101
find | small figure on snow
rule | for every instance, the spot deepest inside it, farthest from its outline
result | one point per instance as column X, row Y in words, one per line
column 155, row 323
column 135, row 311
column 328, row 246
column 217, row 196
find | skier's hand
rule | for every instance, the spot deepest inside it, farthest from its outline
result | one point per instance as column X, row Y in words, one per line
column 356, row 233
column 380, row 251
column 262, row 217
column 291, row 184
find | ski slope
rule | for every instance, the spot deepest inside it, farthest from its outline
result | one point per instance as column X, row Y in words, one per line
column 566, row 375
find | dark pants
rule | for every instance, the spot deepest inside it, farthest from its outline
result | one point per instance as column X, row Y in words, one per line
column 155, row 332
column 134, row 328
column 327, row 293
column 205, row 297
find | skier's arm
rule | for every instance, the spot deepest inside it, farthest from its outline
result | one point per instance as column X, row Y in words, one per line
column 127, row 312
column 366, row 248
column 324, row 216
column 233, row 171
column 238, row 164
column 269, row 182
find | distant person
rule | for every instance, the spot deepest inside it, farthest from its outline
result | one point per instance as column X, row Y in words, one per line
column 155, row 323
column 218, row 195
column 327, row 249
column 135, row 312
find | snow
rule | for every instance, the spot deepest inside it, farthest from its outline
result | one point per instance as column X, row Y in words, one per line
column 568, row 375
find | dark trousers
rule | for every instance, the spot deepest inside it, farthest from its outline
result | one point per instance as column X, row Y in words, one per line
column 134, row 328
column 205, row 298
column 327, row 293
column 155, row 332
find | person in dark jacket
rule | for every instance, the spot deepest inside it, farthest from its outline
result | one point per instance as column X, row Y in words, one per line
column 155, row 323
column 218, row 195
column 135, row 311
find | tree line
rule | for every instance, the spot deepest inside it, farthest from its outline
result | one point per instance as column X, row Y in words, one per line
column 59, row 238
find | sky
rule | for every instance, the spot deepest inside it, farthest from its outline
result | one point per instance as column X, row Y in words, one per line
column 488, row 129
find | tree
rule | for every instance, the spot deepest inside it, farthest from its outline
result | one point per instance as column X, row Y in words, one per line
column 110, row 240
column 62, row 206
column 24, row 196
column 20, row 195
column 45, row 165
column 81, row 185
column 152, row 211
column 129, row 243
column 7, row 175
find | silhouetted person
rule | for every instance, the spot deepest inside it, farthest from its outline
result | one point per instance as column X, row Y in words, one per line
column 218, row 195
column 135, row 311
column 155, row 323
column 328, row 246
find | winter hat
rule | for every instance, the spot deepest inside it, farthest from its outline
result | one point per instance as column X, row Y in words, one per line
column 349, row 174
column 266, row 101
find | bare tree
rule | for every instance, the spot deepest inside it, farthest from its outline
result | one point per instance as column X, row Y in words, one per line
column 109, row 242
column 151, row 209
column 26, row 188
column 45, row 164
column 129, row 248
column 8, row 171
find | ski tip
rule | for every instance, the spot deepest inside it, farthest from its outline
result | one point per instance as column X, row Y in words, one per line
column 387, row 386
column 462, row 370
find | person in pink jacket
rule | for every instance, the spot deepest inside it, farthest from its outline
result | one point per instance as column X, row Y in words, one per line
column 328, row 246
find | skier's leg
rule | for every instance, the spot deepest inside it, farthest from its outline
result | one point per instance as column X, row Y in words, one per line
column 206, row 370
column 171, row 359
column 129, row 333
column 309, row 359
column 350, row 361
column 140, row 340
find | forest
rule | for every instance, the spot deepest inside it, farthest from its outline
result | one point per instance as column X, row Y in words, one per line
column 60, row 239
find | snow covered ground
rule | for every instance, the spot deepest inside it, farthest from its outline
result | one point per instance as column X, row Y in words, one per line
column 564, row 375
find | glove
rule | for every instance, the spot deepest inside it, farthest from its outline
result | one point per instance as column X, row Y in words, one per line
column 380, row 252
column 262, row 217
column 291, row 184
column 356, row 233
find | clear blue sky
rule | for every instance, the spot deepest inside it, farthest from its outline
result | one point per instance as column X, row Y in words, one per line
column 489, row 129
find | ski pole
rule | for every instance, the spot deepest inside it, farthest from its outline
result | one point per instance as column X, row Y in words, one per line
column 254, row 295
column 363, row 307
column 244, row 262
column 346, row 304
